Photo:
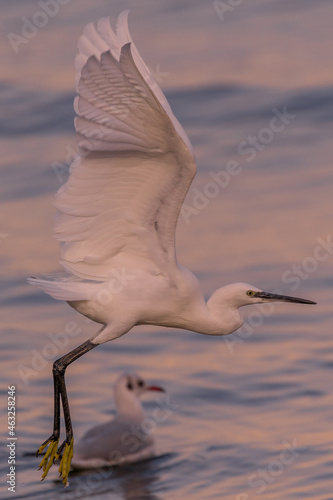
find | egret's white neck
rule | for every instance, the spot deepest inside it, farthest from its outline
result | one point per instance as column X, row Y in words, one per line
column 216, row 317
column 225, row 316
column 211, row 318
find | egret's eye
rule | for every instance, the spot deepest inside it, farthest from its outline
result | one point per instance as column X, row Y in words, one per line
column 129, row 386
column 140, row 383
column 250, row 293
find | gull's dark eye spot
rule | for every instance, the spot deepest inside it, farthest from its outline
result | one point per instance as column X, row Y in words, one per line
column 140, row 383
column 129, row 386
column 250, row 293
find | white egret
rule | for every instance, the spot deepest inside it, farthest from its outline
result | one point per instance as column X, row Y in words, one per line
column 118, row 211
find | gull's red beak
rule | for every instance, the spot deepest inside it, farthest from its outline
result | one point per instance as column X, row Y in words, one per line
column 155, row 388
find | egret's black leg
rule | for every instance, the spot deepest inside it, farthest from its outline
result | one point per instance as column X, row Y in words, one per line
column 53, row 440
column 59, row 368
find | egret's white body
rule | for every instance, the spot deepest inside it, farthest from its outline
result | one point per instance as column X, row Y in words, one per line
column 123, row 439
column 118, row 211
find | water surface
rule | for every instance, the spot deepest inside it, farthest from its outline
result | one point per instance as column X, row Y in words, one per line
column 248, row 415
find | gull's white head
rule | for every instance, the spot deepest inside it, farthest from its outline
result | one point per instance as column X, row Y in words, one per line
column 129, row 384
column 127, row 390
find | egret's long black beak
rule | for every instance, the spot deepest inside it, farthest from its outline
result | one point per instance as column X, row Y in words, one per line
column 282, row 298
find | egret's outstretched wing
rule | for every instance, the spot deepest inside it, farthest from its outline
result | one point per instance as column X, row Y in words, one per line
column 125, row 191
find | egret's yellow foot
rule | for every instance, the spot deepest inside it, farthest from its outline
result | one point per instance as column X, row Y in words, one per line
column 65, row 463
column 49, row 456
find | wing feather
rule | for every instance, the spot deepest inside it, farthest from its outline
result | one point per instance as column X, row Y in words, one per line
column 124, row 194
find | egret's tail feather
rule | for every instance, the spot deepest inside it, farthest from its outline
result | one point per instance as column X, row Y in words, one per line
column 65, row 287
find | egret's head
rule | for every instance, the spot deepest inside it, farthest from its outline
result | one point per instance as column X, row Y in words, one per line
column 243, row 294
column 225, row 302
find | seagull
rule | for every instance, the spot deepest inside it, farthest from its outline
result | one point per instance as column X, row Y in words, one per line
column 122, row 440
column 117, row 215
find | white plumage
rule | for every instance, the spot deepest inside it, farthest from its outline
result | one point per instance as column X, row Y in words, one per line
column 124, row 439
column 120, row 205
column 118, row 211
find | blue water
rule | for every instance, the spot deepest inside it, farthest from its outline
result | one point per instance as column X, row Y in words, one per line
column 246, row 416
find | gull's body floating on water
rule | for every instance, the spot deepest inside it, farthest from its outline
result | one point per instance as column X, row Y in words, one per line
column 118, row 211
column 122, row 440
